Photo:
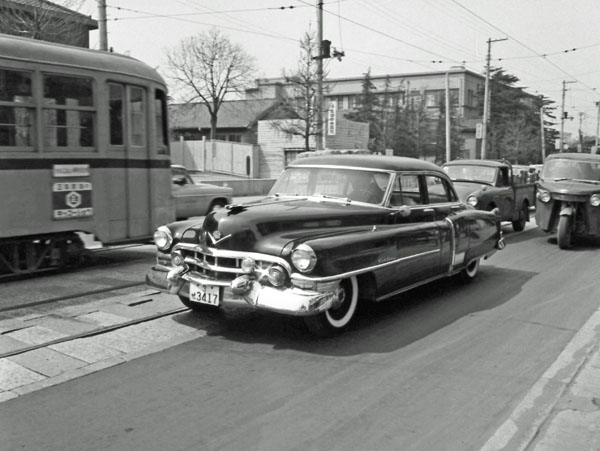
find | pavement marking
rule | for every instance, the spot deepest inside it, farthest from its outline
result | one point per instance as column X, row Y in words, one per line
column 520, row 429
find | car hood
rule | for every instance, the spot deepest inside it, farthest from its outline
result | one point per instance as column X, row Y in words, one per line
column 269, row 226
column 465, row 189
column 569, row 187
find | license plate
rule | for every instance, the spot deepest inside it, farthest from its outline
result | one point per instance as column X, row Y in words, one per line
column 205, row 294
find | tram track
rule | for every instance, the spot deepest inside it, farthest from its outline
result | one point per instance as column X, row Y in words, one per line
column 91, row 333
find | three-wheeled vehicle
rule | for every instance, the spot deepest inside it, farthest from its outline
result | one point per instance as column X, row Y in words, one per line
column 568, row 196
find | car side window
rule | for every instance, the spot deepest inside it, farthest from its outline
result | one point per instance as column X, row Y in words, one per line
column 406, row 191
column 438, row 191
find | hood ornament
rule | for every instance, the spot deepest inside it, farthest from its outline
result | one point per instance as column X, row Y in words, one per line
column 216, row 237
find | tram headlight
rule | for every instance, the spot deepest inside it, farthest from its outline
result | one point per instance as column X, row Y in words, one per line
column 163, row 238
column 277, row 275
column 595, row 200
column 543, row 195
column 472, row 201
column 304, row 258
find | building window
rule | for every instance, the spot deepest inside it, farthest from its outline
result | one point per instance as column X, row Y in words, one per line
column 434, row 98
column 16, row 109
column 69, row 112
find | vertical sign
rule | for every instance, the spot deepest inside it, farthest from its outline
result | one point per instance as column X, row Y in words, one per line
column 331, row 116
column 479, row 131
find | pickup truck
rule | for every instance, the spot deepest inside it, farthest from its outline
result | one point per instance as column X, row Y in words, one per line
column 489, row 184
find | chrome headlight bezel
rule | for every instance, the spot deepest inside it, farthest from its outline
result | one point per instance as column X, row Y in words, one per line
column 163, row 238
column 543, row 195
column 472, row 201
column 595, row 200
column 304, row 258
column 277, row 275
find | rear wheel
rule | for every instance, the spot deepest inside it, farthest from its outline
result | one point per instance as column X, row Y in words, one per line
column 338, row 317
column 519, row 224
column 564, row 232
column 470, row 271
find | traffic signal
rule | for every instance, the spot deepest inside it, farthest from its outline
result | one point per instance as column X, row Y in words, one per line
column 325, row 48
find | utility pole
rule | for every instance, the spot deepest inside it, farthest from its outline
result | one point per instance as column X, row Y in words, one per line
column 102, row 25
column 542, row 131
column 448, row 148
column 486, row 97
column 319, row 102
column 597, row 126
column 581, row 116
column 562, row 115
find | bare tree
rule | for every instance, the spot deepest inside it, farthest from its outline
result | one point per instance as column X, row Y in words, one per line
column 300, row 99
column 208, row 67
column 55, row 22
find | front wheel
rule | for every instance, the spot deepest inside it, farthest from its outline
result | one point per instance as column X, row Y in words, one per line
column 564, row 232
column 337, row 318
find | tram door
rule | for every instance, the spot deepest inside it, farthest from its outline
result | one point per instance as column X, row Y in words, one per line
column 129, row 191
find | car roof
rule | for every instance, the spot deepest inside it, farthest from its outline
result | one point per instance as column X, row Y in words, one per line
column 385, row 163
column 574, row 156
column 474, row 162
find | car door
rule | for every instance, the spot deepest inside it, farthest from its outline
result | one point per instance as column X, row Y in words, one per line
column 416, row 238
column 504, row 196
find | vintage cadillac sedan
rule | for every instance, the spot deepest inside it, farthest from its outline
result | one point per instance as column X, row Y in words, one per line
column 334, row 231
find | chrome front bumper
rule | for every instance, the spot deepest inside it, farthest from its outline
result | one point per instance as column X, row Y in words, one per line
column 290, row 301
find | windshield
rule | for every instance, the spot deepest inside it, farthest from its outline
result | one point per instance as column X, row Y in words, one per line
column 353, row 184
column 471, row 173
column 571, row 169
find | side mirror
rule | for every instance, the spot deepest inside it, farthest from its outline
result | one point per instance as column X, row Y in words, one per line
column 179, row 180
column 402, row 211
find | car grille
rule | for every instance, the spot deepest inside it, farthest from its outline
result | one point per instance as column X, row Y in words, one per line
column 223, row 266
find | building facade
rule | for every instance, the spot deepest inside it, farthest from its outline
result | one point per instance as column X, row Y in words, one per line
column 426, row 88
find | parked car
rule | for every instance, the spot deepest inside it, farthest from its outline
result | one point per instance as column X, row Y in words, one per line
column 334, row 230
column 196, row 199
column 569, row 197
column 489, row 184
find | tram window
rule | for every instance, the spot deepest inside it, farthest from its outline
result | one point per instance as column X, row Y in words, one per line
column 16, row 109
column 160, row 122
column 137, row 116
column 68, row 115
column 116, row 114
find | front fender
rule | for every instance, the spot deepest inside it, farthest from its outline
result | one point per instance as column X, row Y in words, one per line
column 567, row 211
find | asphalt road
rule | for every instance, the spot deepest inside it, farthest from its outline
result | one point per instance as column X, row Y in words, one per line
column 439, row 368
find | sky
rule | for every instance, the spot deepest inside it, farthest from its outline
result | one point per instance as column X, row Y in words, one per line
column 547, row 41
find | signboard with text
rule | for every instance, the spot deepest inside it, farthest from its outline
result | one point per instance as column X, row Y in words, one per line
column 71, row 200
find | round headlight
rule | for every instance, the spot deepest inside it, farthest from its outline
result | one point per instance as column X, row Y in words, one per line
column 595, row 200
column 277, row 275
column 248, row 265
column 163, row 238
column 304, row 258
column 543, row 195
column 472, row 201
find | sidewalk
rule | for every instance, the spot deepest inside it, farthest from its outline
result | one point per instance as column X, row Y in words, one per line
column 562, row 410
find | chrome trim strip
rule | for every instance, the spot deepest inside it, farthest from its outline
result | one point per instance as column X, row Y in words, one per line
column 225, row 253
column 216, row 268
column 414, row 285
column 297, row 276
column 453, row 235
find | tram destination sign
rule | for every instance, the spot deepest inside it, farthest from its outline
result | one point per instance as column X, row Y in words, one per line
column 71, row 200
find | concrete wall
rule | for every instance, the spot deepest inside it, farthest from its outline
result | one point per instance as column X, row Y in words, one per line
column 216, row 156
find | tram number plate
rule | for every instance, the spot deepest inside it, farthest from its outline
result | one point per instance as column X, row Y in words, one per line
column 205, row 294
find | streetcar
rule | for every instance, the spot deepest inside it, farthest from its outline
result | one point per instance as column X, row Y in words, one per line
column 83, row 149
